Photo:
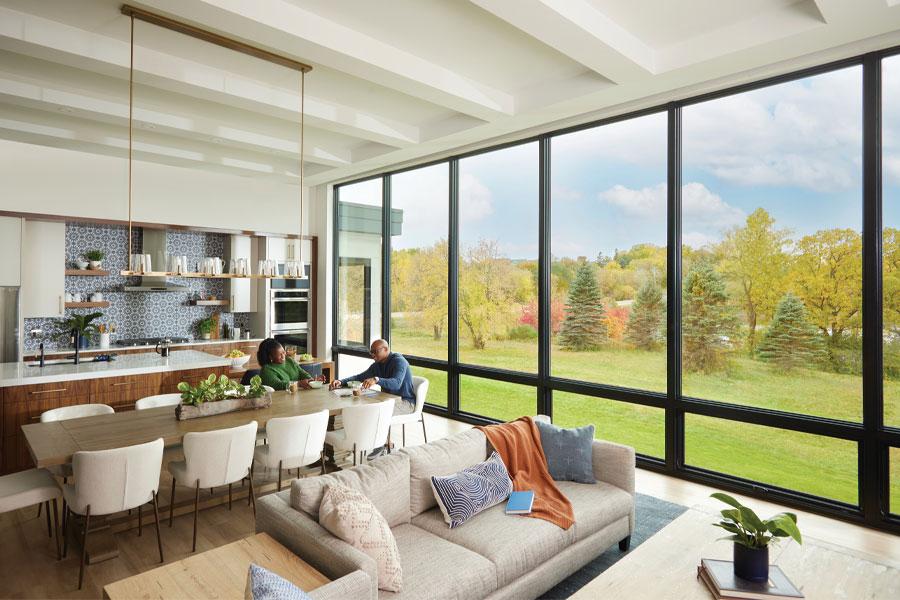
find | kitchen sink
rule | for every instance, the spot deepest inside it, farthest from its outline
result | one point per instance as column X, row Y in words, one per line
column 55, row 361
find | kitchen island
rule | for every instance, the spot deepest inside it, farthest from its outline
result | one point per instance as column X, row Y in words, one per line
column 26, row 392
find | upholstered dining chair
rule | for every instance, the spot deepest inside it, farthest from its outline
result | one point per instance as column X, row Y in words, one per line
column 111, row 481
column 158, row 400
column 27, row 488
column 211, row 459
column 293, row 442
column 420, row 385
column 366, row 428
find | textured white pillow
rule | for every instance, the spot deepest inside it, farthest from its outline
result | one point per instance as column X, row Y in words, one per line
column 349, row 515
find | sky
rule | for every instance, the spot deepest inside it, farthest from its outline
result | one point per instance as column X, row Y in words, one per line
column 794, row 149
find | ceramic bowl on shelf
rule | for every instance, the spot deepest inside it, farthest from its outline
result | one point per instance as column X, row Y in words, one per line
column 81, row 264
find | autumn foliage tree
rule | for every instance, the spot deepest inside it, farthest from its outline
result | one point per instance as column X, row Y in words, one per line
column 585, row 326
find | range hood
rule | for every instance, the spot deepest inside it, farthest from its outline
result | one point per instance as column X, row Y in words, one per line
column 155, row 245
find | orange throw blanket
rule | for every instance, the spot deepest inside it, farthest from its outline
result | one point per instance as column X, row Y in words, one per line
column 519, row 445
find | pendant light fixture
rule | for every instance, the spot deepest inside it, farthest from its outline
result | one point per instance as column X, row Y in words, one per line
column 214, row 38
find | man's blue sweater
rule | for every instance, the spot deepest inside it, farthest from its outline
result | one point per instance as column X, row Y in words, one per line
column 394, row 376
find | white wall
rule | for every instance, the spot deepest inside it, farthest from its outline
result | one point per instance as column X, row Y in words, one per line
column 43, row 180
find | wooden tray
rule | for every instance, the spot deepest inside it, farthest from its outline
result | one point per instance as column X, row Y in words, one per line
column 208, row 409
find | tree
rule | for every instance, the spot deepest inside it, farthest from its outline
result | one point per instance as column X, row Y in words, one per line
column 755, row 260
column 419, row 286
column 891, row 273
column 648, row 313
column 827, row 276
column 791, row 340
column 488, row 286
column 708, row 321
column 584, row 327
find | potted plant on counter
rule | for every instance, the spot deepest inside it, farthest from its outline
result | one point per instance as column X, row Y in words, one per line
column 205, row 327
column 94, row 258
column 752, row 536
column 80, row 323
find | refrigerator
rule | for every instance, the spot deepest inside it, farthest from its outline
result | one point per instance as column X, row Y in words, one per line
column 9, row 324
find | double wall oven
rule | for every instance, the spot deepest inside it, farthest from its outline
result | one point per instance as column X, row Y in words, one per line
column 289, row 317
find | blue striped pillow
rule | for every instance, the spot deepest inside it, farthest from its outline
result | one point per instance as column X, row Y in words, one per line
column 465, row 494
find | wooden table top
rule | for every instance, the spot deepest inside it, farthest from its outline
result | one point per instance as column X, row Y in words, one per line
column 54, row 443
column 193, row 577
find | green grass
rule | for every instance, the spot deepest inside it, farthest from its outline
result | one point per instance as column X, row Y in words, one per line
column 813, row 464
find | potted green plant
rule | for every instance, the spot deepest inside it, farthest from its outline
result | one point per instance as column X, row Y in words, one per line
column 205, row 327
column 94, row 258
column 752, row 536
column 80, row 323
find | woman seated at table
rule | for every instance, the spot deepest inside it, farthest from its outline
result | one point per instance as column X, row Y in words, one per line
column 278, row 369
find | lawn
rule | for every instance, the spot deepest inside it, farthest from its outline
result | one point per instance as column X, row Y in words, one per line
column 814, row 464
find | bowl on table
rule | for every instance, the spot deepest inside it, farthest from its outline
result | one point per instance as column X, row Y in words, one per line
column 315, row 384
column 239, row 361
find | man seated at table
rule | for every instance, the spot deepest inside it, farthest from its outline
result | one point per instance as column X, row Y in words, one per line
column 278, row 370
column 390, row 371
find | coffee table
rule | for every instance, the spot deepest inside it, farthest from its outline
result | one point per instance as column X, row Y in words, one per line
column 665, row 566
column 218, row 573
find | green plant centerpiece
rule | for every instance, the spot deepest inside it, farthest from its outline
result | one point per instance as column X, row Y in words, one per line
column 94, row 257
column 216, row 395
column 205, row 327
column 752, row 536
column 81, row 323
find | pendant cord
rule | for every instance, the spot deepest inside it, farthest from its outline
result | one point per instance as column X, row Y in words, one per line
column 130, row 141
column 302, row 98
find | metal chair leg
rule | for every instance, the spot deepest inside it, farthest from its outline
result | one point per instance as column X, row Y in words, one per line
column 404, row 435
column 279, row 475
column 56, row 527
column 252, row 497
column 322, row 456
column 49, row 532
column 156, row 519
column 172, row 503
column 249, row 496
column 40, row 506
column 424, row 433
column 65, row 530
column 354, row 455
column 140, row 521
column 87, row 526
column 229, row 496
column 196, row 511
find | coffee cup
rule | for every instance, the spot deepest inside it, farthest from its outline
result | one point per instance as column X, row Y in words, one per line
column 235, row 333
column 76, row 297
column 68, row 297
column 96, row 297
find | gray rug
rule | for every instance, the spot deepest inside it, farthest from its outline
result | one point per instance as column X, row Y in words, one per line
column 651, row 515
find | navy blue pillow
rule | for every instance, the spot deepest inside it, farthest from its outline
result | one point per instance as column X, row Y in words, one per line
column 568, row 452
column 463, row 495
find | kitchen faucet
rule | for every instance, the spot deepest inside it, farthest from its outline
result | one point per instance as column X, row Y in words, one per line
column 76, row 336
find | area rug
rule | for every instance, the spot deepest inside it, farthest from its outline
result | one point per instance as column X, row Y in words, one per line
column 651, row 515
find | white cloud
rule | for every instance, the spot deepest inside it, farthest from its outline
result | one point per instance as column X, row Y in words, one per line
column 561, row 193
column 475, row 199
column 697, row 239
column 700, row 206
column 645, row 203
column 891, row 166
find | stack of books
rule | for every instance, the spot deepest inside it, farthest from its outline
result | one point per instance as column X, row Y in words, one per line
column 719, row 577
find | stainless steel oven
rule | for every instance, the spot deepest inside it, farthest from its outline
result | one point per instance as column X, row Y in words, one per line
column 289, row 310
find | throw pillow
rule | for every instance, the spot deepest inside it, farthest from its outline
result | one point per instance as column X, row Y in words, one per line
column 263, row 584
column 465, row 494
column 568, row 452
column 349, row 515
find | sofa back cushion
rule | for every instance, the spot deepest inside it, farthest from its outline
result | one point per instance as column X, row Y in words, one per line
column 384, row 481
column 443, row 457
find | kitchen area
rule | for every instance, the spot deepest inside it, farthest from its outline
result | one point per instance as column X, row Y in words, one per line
column 80, row 326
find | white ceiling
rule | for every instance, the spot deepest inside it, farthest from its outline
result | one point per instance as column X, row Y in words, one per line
column 394, row 81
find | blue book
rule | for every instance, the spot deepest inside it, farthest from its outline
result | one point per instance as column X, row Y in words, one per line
column 520, row 503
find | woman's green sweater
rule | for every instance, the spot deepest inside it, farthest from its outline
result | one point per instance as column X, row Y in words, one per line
column 281, row 376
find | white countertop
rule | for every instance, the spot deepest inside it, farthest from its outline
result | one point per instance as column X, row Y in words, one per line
column 18, row 373
column 113, row 348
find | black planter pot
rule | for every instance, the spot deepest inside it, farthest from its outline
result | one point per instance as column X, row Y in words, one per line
column 751, row 564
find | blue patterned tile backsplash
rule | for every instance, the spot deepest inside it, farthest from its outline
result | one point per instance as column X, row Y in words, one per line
column 140, row 314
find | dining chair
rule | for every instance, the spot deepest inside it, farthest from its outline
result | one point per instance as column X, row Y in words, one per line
column 211, row 459
column 293, row 442
column 27, row 488
column 111, row 481
column 158, row 400
column 420, row 384
column 366, row 427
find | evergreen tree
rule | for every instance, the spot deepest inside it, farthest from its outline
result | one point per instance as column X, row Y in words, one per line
column 791, row 340
column 648, row 313
column 584, row 327
column 709, row 324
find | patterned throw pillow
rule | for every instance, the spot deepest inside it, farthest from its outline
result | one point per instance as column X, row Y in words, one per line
column 569, row 452
column 349, row 515
column 472, row 490
column 263, row 584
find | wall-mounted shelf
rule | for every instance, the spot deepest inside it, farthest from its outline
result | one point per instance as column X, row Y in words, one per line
column 87, row 272
column 202, row 275
column 104, row 304
column 208, row 302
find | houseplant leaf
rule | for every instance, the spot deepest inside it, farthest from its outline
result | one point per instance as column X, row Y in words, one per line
column 726, row 499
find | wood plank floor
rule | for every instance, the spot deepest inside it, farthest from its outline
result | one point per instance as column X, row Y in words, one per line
column 29, row 569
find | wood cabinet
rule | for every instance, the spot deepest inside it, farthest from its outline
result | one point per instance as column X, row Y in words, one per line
column 43, row 269
column 11, row 251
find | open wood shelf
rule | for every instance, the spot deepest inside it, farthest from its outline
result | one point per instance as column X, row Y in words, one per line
column 87, row 272
column 202, row 275
column 104, row 304
column 208, row 302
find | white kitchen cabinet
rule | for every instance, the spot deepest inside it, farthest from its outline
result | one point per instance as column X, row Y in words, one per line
column 243, row 292
column 43, row 269
column 11, row 251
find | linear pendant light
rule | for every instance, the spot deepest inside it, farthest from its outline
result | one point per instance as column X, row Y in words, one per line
column 214, row 38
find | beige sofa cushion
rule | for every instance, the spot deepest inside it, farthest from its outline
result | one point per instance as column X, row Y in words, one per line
column 515, row 544
column 443, row 457
column 434, row 568
column 384, row 481
column 596, row 505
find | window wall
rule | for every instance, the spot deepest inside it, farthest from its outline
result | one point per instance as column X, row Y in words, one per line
column 743, row 355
